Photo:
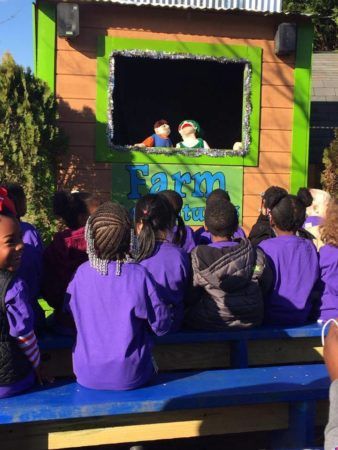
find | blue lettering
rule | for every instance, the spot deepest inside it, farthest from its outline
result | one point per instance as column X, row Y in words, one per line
column 159, row 182
column 135, row 181
column 198, row 214
column 186, row 213
column 210, row 180
column 179, row 180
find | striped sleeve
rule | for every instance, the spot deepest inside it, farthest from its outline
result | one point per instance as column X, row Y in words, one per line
column 29, row 345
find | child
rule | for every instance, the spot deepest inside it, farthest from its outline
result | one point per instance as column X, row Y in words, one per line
column 30, row 234
column 168, row 264
column 202, row 236
column 67, row 251
column 293, row 261
column 226, row 291
column 114, row 304
column 183, row 235
column 19, row 352
column 328, row 264
column 30, row 269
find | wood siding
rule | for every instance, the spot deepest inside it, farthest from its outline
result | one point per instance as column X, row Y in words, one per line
column 76, row 88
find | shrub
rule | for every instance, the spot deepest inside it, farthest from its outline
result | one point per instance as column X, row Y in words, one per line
column 329, row 177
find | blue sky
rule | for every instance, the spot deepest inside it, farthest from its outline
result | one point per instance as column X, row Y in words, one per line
column 16, row 33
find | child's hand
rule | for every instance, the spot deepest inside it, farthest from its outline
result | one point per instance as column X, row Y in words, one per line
column 331, row 351
column 42, row 377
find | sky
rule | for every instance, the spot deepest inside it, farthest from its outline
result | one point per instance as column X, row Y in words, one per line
column 16, row 31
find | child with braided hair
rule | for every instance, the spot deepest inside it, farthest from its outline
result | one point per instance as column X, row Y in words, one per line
column 115, row 305
column 182, row 235
column 292, row 259
column 168, row 264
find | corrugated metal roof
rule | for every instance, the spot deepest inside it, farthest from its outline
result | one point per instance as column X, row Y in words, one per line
column 270, row 6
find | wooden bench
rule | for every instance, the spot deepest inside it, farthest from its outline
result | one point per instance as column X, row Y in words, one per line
column 284, row 399
column 190, row 350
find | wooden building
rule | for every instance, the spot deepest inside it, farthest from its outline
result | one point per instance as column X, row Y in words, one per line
column 274, row 102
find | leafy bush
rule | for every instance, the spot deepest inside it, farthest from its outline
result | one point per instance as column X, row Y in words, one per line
column 329, row 177
column 29, row 140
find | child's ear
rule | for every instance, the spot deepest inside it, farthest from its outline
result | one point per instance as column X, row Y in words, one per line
column 138, row 227
column 272, row 223
column 205, row 227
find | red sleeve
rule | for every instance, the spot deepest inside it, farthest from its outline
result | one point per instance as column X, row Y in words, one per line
column 149, row 142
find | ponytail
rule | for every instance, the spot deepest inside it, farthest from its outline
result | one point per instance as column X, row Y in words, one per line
column 146, row 241
column 181, row 232
column 304, row 196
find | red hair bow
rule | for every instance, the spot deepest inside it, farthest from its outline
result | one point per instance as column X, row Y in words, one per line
column 6, row 204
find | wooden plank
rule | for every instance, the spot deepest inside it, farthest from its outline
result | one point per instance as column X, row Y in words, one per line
column 280, row 74
column 205, row 423
column 285, row 351
column 76, row 86
column 277, row 96
column 248, row 222
column 276, row 119
column 275, row 141
column 96, row 182
column 76, row 63
column 251, row 205
column 192, row 356
column 272, row 162
column 80, row 134
column 76, row 110
column 255, row 183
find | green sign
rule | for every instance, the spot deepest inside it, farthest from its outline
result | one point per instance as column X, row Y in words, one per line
column 193, row 182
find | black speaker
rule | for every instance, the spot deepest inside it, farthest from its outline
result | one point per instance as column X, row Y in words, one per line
column 68, row 19
column 286, row 39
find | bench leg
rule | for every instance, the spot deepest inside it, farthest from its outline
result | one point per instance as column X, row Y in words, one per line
column 300, row 434
column 239, row 354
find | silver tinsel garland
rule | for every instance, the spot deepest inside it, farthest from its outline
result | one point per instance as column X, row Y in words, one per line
column 196, row 152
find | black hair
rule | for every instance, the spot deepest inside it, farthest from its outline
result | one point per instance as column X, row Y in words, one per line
column 17, row 194
column 111, row 227
column 221, row 219
column 69, row 206
column 156, row 214
column 218, row 195
column 176, row 202
column 288, row 211
column 270, row 194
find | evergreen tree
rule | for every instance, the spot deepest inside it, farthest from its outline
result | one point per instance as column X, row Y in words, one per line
column 325, row 19
column 329, row 177
column 29, row 139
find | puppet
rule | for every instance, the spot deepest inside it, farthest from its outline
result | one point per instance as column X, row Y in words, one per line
column 160, row 138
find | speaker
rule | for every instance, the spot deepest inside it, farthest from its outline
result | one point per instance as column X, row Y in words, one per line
column 286, row 39
column 68, row 19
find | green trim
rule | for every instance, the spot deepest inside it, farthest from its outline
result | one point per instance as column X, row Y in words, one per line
column 46, row 40
column 34, row 36
column 106, row 45
column 302, row 104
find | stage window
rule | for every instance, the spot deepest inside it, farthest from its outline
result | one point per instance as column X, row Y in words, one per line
column 147, row 89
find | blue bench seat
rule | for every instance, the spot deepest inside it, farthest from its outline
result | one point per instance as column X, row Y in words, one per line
column 266, row 397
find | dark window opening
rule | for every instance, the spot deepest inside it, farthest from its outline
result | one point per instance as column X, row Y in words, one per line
column 148, row 89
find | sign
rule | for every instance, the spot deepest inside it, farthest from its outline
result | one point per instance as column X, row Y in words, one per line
column 194, row 183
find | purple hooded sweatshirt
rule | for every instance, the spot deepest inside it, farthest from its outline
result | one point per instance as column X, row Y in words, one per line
column 20, row 318
column 169, row 265
column 294, row 263
column 114, row 316
column 328, row 284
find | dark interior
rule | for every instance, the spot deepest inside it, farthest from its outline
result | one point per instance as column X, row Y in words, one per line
column 148, row 89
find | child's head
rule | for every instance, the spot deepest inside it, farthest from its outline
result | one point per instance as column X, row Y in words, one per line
column 11, row 245
column 108, row 234
column 17, row 195
column 176, row 203
column 221, row 219
column 329, row 229
column 74, row 208
column 319, row 204
column 218, row 195
column 287, row 212
column 153, row 219
column 269, row 195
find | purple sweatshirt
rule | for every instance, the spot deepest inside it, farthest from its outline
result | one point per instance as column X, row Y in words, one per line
column 312, row 221
column 203, row 237
column 114, row 316
column 189, row 243
column 170, row 267
column 328, row 266
column 20, row 319
column 31, row 236
column 294, row 263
